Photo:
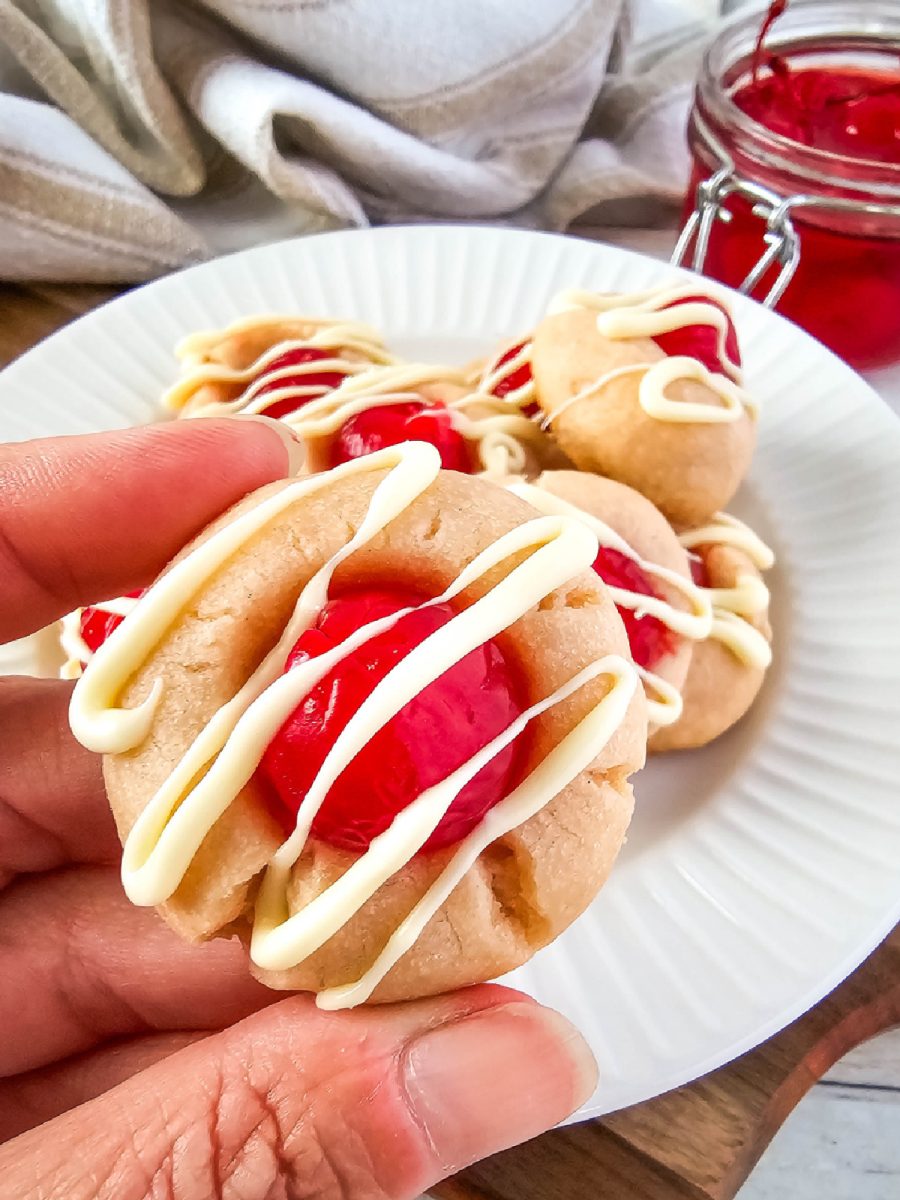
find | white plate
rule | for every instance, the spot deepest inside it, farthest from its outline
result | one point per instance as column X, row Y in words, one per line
column 760, row 870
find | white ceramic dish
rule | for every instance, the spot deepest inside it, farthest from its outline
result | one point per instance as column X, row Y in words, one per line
column 760, row 870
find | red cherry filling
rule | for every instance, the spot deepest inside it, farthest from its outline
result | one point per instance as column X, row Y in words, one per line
column 699, row 573
column 515, row 379
column 97, row 625
column 323, row 381
column 408, row 421
column 649, row 638
column 701, row 341
column 432, row 735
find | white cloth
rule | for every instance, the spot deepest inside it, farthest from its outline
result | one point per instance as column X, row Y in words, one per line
column 141, row 135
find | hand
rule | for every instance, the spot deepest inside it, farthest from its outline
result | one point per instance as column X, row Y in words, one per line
column 133, row 1065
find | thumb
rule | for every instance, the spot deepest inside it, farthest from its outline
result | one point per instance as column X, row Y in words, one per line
column 374, row 1104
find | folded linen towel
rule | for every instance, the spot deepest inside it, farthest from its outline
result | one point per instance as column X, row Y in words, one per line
column 137, row 136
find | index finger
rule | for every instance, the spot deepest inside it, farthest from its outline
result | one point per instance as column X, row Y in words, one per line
column 92, row 517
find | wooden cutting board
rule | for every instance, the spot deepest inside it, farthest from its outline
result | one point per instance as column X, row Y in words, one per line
column 699, row 1142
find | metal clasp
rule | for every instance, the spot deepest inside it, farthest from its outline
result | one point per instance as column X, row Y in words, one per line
column 782, row 244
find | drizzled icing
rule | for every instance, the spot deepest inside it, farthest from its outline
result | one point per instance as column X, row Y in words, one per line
column 372, row 379
column 75, row 648
column 497, row 372
column 226, row 752
column 646, row 315
column 339, row 337
column 664, row 701
column 495, row 426
column 732, row 607
column 724, row 530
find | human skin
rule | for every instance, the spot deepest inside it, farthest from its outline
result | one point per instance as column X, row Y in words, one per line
column 134, row 1065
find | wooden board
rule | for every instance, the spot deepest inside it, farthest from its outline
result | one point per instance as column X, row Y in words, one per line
column 697, row 1143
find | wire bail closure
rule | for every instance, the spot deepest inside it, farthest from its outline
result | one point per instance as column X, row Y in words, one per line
column 782, row 242
column 781, row 239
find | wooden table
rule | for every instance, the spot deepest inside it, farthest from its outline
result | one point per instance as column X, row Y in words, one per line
column 699, row 1142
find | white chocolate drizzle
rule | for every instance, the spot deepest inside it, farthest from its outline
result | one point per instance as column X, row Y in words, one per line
column 733, row 607
column 496, row 427
column 227, row 750
column 496, row 372
column 724, row 530
column 75, row 648
column 694, row 623
column 664, row 704
column 646, row 315
column 335, row 337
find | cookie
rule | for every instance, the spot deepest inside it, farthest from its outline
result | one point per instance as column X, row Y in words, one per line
column 642, row 560
column 269, row 364
column 345, row 395
column 645, row 389
column 728, row 668
column 198, row 719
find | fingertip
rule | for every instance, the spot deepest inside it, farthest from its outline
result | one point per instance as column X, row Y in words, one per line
column 265, row 431
column 494, row 1078
column 266, row 449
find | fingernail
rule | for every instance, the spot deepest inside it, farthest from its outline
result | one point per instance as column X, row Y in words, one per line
column 496, row 1078
column 293, row 444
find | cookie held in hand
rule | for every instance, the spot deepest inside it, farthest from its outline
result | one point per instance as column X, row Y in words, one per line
column 379, row 722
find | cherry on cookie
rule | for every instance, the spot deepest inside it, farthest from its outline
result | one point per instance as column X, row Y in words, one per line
column 97, row 624
column 701, row 341
column 650, row 640
column 323, row 381
column 431, row 736
column 407, row 421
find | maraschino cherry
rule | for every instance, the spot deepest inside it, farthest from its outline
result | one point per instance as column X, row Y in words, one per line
column 322, row 381
column 516, row 379
column 97, row 625
column 436, row 732
column 701, row 341
column 650, row 640
column 407, row 421
column 699, row 573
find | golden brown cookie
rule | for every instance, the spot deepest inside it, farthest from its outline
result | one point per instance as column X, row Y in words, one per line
column 688, row 469
column 722, row 681
column 269, row 364
column 526, row 886
column 474, row 433
column 639, row 523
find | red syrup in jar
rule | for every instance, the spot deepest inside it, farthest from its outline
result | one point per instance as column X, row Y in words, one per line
column 434, row 734
column 322, row 381
column 408, row 421
column 650, row 640
column 830, row 131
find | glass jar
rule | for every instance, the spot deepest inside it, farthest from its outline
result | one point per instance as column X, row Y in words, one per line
column 813, row 233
